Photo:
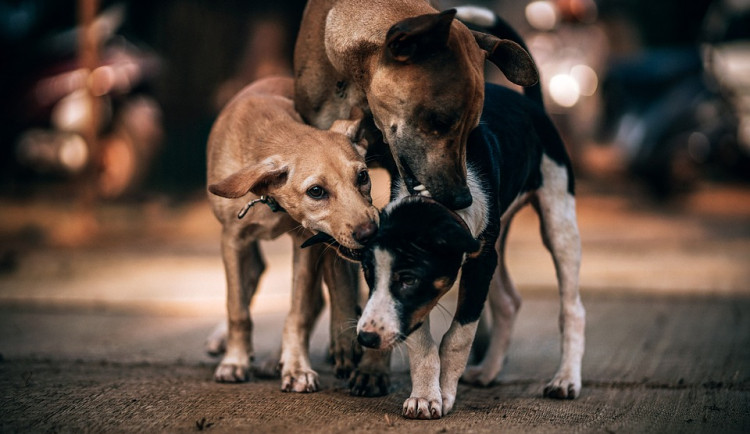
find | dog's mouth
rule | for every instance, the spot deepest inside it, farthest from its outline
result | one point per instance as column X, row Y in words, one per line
column 413, row 185
column 354, row 255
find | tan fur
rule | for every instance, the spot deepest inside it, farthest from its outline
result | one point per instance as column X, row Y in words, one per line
column 341, row 61
column 259, row 146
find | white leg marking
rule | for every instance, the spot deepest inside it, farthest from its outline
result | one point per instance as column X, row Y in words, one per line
column 425, row 401
column 454, row 353
column 560, row 235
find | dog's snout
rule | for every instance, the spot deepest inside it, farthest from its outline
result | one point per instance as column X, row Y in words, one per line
column 459, row 200
column 364, row 232
column 369, row 339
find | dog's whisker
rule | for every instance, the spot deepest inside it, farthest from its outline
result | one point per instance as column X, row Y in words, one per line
column 401, row 352
column 444, row 310
column 298, row 228
column 346, row 329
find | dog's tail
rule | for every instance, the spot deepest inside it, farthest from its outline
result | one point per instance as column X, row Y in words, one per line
column 483, row 19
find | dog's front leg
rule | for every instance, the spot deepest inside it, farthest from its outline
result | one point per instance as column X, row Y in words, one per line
column 425, row 401
column 342, row 279
column 372, row 375
column 244, row 265
column 455, row 347
column 297, row 374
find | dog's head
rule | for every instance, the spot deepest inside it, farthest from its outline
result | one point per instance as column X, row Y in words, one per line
column 426, row 96
column 411, row 262
column 323, row 184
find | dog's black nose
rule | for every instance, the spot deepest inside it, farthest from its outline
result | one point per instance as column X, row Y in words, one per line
column 368, row 339
column 364, row 232
column 461, row 200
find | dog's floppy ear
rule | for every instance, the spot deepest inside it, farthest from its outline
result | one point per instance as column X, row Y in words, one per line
column 258, row 178
column 412, row 37
column 451, row 234
column 515, row 62
column 354, row 131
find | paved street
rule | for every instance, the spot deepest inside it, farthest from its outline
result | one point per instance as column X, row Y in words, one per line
column 104, row 332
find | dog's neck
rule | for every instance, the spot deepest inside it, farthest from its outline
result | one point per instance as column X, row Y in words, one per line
column 476, row 216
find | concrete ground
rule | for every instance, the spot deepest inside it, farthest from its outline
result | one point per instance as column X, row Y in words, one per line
column 108, row 335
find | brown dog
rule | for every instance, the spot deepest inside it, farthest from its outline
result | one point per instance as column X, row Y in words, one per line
column 259, row 149
column 419, row 73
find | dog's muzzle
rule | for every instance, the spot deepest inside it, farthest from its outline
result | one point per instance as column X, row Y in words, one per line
column 369, row 339
column 459, row 200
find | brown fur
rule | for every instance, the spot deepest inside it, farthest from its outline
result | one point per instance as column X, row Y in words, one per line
column 424, row 100
column 260, row 146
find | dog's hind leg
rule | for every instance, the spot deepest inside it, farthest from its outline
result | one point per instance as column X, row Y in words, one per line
column 556, row 208
column 504, row 303
column 342, row 279
column 297, row 374
column 244, row 265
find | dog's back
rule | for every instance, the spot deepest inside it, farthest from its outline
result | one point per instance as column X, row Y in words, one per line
column 507, row 146
column 264, row 106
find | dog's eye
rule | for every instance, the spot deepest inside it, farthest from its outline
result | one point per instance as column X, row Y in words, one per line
column 363, row 178
column 407, row 281
column 317, row 192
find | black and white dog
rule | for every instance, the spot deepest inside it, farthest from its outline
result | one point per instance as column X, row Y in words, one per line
column 514, row 157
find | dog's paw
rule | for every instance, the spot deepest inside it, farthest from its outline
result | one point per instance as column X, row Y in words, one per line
column 232, row 372
column 345, row 355
column 448, row 402
column 302, row 381
column 477, row 376
column 363, row 383
column 562, row 387
column 422, row 408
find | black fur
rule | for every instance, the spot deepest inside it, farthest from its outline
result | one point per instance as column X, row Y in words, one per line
column 505, row 152
column 423, row 253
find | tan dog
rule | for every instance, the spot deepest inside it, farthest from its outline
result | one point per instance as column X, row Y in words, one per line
column 259, row 149
column 419, row 73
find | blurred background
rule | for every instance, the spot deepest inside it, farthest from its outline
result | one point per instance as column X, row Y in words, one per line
column 103, row 133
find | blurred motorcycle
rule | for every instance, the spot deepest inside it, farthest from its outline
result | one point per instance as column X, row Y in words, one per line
column 680, row 114
column 66, row 99
column 570, row 49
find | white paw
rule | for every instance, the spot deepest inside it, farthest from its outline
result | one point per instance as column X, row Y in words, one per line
column 563, row 387
column 301, row 381
column 422, row 408
column 232, row 371
column 478, row 376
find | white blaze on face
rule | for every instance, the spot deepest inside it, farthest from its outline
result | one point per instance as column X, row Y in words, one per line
column 379, row 315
